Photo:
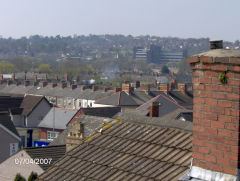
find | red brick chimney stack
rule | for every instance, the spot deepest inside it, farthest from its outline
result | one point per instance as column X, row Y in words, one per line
column 182, row 87
column 163, row 87
column 94, row 88
column 154, row 109
column 216, row 128
column 145, row 87
column 126, row 87
column 13, row 76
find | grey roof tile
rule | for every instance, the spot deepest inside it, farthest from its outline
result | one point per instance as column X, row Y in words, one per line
column 118, row 153
column 47, row 152
column 57, row 118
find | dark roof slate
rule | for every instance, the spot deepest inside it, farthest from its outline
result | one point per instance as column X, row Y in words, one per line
column 101, row 111
column 6, row 121
column 47, row 152
column 10, row 102
column 29, row 103
column 126, row 151
column 123, row 99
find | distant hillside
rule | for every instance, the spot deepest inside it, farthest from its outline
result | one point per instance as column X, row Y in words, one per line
column 95, row 47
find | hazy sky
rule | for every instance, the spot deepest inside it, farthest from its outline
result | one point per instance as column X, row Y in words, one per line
column 216, row 19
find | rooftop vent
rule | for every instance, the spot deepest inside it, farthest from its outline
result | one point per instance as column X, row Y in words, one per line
column 216, row 44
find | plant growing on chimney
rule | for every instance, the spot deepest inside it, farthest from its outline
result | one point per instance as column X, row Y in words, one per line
column 223, row 77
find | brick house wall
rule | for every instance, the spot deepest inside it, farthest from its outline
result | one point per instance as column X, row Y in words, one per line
column 43, row 132
column 216, row 111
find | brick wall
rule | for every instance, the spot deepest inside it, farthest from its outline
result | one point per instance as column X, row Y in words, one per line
column 74, row 136
column 126, row 87
column 163, row 87
column 216, row 113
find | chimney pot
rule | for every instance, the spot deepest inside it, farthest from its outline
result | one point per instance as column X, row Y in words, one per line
column 216, row 44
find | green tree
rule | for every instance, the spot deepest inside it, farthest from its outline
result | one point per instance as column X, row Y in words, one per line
column 19, row 177
column 165, row 70
column 44, row 68
column 33, row 176
column 6, row 67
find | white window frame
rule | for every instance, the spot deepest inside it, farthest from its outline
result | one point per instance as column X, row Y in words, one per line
column 52, row 134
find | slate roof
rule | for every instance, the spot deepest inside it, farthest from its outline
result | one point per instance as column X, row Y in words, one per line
column 6, row 121
column 101, row 111
column 168, row 120
column 29, row 103
column 138, row 98
column 90, row 123
column 14, row 89
column 57, row 118
column 48, row 152
column 10, row 102
column 126, row 151
column 166, row 104
column 123, row 99
column 76, row 93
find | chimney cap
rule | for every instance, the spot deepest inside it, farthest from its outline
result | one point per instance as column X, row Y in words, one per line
column 216, row 44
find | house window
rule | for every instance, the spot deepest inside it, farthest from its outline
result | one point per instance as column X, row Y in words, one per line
column 69, row 101
column 52, row 134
